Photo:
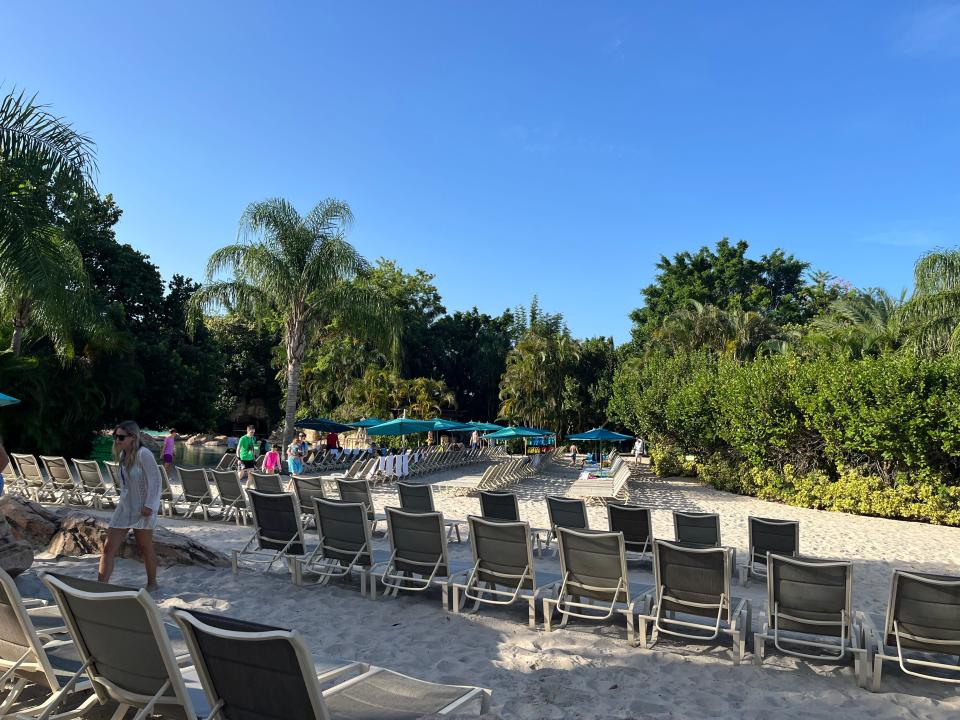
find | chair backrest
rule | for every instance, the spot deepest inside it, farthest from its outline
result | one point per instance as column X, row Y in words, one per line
column 120, row 631
column 693, row 576
column 113, row 471
column 18, row 636
column 594, row 564
column 499, row 505
column 58, row 471
column 344, row 530
column 780, row 537
column 418, row 541
column 810, row 589
column 267, row 482
column 276, row 521
column 10, row 474
column 194, row 483
column 227, row 461
column 306, row 489
column 567, row 512
column 356, row 491
column 227, row 485
column 634, row 522
column 502, row 547
column 926, row 610
column 415, row 497
column 166, row 492
column 697, row 528
column 227, row 653
column 89, row 473
column 28, row 466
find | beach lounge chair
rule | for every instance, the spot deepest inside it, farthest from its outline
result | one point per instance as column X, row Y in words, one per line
column 809, row 605
column 593, row 567
column 306, row 489
column 418, row 497
column 503, row 572
column 93, row 485
column 12, row 482
column 168, row 501
column 26, row 661
column 124, row 649
column 227, row 653
column 266, row 482
column 345, row 546
column 496, row 505
column 231, row 499
column 565, row 513
column 923, row 616
column 34, row 484
column 61, row 480
column 277, row 532
column 635, row 524
column 196, row 490
column 418, row 553
column 359, row 491
column 695, row 582
column 227, row 462
column 766, row 535
column 700, row 529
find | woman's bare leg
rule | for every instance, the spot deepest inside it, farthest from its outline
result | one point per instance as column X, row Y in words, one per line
column 115, row 538
column 144, row 540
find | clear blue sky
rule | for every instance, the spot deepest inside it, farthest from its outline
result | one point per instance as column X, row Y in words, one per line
column 520, row 148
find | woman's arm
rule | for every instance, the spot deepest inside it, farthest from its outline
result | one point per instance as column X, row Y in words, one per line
column 151, row 472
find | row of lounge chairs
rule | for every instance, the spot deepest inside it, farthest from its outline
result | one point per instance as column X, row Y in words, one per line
column 603, row 485
column 498, row 475
column 113, row 644
column 808, row 613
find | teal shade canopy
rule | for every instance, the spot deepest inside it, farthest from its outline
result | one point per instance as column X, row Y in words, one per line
column 452, row 425
column 7, row 400
column 485, row 426
column 510, row 433
column 322, row 425
column 366, row 423
column 401, row 426
column 600, row 434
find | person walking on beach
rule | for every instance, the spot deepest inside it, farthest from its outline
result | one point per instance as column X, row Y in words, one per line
column 246, row 452
column 167, row 454
column 139, row 503
column 474, row 440
column 574, row 450
column 271, row 461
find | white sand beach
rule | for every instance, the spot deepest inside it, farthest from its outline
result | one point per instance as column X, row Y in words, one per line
column 585, row 670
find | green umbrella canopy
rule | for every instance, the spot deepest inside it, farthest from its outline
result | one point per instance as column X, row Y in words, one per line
column 509, row 433
column 401, row 426
column 322, row 425
column 7, row 400
column 485, row 426
column 452, row 425
column 600, row 434
column 366, row 423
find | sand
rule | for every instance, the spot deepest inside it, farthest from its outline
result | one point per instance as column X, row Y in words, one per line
column 587, row 670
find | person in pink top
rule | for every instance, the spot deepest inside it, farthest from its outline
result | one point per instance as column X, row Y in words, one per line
column 167, row 455
column 271, row 461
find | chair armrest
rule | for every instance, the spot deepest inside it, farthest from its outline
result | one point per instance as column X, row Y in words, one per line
column 31, row 603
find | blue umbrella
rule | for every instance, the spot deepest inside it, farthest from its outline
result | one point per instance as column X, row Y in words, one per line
column 510, row 433
column 7, row 400
column 598, row 435
column 485, row 426
column 401, row 426
column 366, row 422
column 453, row 425
column 323, row 425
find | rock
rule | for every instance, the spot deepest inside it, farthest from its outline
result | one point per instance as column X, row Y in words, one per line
column 73, row 532
column 15, row 555
column 196, row 440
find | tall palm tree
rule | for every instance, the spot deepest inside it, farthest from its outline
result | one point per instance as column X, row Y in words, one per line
column 868, row 322
column 932, row 314
column 303, row 270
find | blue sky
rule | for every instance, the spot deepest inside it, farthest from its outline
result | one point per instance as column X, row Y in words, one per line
column 520, row 148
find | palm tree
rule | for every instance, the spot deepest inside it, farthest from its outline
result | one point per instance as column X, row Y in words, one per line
column 932, row 314
column 301, row 269
column 868, row 322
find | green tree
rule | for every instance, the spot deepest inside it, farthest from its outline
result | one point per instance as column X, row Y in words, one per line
column 302, row 270
column 861, row 324
column 932, row 315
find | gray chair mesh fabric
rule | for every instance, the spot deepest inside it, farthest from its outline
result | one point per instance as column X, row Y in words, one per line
column 390, row 696
column 567, row 513
column 118, row 635
column 194, row 482
column 810, row 592
column 29, row 468
column 593, row 559
column 356, row 491
column 267, row 483
column 634, row 523
column 415, row 498
column 59, row 472
column 13, row 641
column 277, row 522
column 417, row 537
column 89, row 473
column 702, row 530
column 306, row 490
column 279, row 690
column 229, row 487
column 498, row 505
column 343, row 527
column 692, row 576
column 501, row 548
column 929, row 611
column 772, row 536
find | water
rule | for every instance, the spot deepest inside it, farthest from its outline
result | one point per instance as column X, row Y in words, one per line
column 185, row 455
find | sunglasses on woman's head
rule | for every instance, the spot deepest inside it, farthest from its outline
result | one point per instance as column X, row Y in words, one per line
column 119, row 437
